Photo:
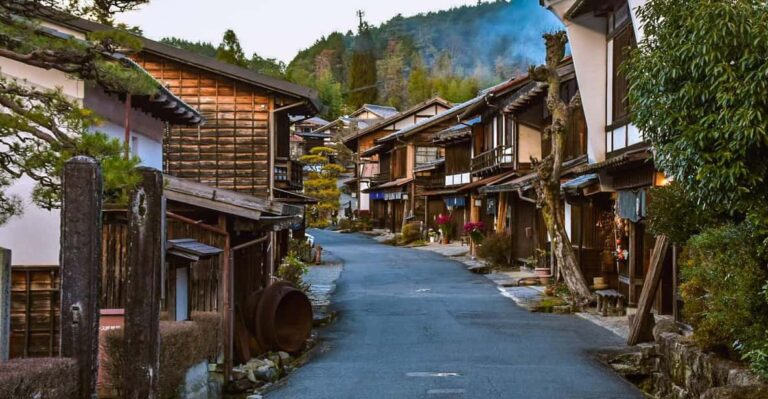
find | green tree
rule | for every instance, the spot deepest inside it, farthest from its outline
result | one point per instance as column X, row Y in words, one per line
column 330, row 94
column 267, row 66
column 420, row 86
column 41, row 129
column 698, row 93
column 321, row 184
column 202, row 48
column 230, row 50
column 393, row 84
column 362, row 70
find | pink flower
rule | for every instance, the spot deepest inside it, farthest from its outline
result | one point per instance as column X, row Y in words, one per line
column 442, row 219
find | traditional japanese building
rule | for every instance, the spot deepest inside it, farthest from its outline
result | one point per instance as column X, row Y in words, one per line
column 386, row 198
column 620, row 169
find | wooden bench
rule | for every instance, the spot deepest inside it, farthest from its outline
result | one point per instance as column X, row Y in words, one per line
column 611, row 303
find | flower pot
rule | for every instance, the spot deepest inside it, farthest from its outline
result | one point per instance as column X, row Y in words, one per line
column 544, row 280
column 446, row 240
column 542, row 271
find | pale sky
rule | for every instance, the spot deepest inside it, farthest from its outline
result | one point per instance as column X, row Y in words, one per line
column 272, row 28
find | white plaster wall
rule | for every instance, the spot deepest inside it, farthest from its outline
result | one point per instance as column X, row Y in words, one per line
column 33, row 237
column 529, row 143
column 149, row 150
column 365, row 198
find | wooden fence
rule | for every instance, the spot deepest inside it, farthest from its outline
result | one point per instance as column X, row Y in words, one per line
column 35, row 311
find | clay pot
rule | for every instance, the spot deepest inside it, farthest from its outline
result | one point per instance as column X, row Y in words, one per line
column 542, row 271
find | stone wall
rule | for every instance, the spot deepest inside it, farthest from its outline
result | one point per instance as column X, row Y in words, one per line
column 673, row 367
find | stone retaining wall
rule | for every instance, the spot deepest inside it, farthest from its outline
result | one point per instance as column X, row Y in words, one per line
column 673, row 367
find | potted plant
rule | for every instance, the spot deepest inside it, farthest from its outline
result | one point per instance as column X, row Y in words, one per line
column 475, row 231
column 444, row 224
column 432, row 234
column 544, row 273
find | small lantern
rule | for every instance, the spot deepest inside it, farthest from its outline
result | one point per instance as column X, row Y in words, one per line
column 478, row 202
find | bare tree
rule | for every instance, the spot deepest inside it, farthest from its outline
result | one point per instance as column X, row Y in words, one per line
column 549, row 169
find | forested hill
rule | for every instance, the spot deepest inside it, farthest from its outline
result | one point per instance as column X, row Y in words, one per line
column 451, row 53
column 462, row 49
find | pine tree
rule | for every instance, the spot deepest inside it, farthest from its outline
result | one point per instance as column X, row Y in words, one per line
column 230, row 50
column 320, row 184
column 362, row 69
column 41, row 129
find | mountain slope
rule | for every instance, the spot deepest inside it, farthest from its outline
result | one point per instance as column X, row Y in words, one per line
column 486, row 43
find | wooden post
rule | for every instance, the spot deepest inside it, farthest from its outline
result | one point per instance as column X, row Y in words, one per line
column 5, row 304
column 650, row 285
column 141, row 342
column 80, row 262
column 227, row 300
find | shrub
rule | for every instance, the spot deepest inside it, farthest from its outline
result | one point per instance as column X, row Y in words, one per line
column 411, row 233
column 292, row 269
column 672, row 212
column 346, row 224
column 496, row 250
column 183, row 345
column 302, row 248
column 722, row 282
column 38, row 378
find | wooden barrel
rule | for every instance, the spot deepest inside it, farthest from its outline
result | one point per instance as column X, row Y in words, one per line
column 280, row 317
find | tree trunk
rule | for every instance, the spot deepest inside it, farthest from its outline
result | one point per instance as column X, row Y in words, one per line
column 548, row 170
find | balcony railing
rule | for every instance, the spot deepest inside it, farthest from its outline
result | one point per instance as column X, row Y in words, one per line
column 491, row 161
column 434, row 181
column 380, row 178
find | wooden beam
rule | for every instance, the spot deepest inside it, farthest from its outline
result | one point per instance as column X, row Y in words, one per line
column 5, row 304
column 650, row 286
column 141, row 342
column 80, row 262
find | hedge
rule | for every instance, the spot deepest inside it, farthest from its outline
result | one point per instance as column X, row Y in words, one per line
column 38, row 378
column 183, row 344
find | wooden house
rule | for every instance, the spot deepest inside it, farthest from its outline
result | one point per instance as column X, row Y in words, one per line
column 387, row 196
column 140, row 122
column 620, row 167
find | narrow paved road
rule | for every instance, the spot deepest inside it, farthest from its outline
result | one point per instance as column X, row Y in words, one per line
column 407, row 315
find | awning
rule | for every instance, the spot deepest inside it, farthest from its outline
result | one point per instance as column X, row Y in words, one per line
column 429, row 166
column 573, row 185
column 225, row 201
column 394, row 196
column 395, row 183
column 377, row 149
column 376, row 195
column 435, row 193
column 191, row 249
column 293, row 197
column 455, row 202
column 485, row 182
column 513, row 185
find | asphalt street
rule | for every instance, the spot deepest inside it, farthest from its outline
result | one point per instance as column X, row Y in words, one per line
column 413, row 324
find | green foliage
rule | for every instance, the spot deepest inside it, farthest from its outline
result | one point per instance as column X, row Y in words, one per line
column 699, row 94
column 321, row 184
column 420, row 86
column 722, row 286
column 330, row 92
column 302, row 249
column 496, row 250
column 672, row 212
column 230, row 50
column 203, row 48
column 292, row 269
column 411, row 233
column 41, row 129
column 362, row 70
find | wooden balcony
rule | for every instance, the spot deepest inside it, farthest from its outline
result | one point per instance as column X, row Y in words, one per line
column 493, row 161
column 431, row 182
column 380, row 178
